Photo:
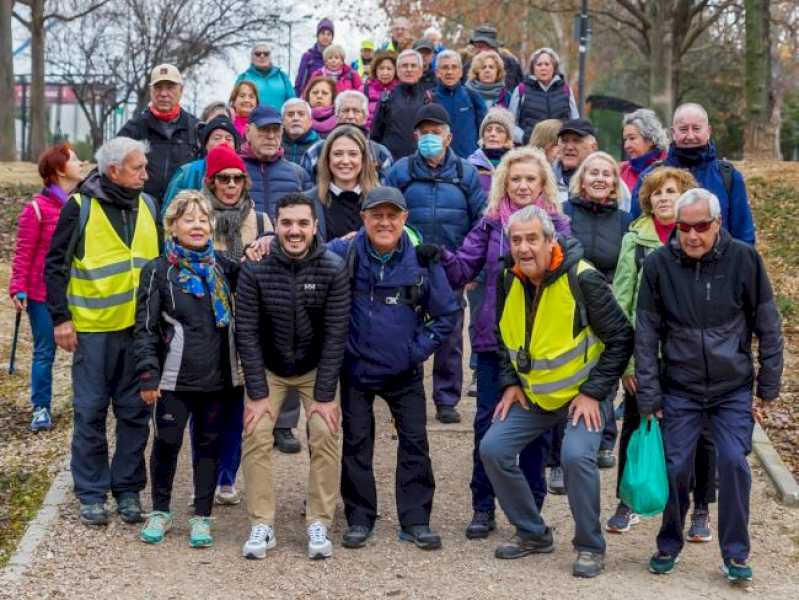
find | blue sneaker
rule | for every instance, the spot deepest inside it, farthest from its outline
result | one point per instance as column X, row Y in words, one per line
column 200, row 535
column 736, row 572
column 662, row 564
column 156, row 528
column 41, row 420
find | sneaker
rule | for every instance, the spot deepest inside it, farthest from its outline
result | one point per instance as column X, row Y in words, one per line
column 262, row 538
column 736, row 572
column 482, row 524
column 319, row 545
column 421, row 536
column 227, row 495
column 93, row 514
column 622, row 520
column 473, row 387
column 605, row 459
column 447, row 415
column 41, row 420
column 129, row 509
column 556, row 484
column 200, row 534
column 523, row 545
column 700, row 526
column 286, row 442
column 588, row 564
column 662, row 563
column 356, row 536
column 156, row 528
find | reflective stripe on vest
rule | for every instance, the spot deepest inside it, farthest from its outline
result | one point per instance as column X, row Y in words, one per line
column 560, row 362
column 102, row 287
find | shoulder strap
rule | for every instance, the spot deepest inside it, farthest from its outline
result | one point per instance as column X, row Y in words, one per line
column 351, row 260
column 85, row 204
column 428, row 97
column 507, row 281
column 640, row 256
column 150, row 202
column 259, row 223
column 577, row 293
column 37, row 211
column 726, row 168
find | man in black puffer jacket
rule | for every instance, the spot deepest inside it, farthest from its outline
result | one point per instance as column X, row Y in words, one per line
column 702, row 297
column 293, row 316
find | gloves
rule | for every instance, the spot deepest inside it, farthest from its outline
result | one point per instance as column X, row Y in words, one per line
column 427, row 254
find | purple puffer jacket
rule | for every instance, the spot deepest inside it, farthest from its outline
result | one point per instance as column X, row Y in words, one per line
column 484, row 169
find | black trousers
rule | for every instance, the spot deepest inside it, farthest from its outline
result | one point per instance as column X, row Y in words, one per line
column 170, row 415
column 414, row 482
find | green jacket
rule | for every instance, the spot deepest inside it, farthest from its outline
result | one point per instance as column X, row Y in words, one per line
column 627, row 278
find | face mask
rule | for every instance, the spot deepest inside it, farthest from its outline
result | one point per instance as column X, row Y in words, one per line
column 430, row 145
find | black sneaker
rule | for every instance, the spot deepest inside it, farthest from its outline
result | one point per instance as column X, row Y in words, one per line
column 356, row 536
column 605, row 459
column 522, row 545
column 700, row 526
column 588, row 564
column 93, row 514
column 482, row 524
column 286, row 442
column 556, row 484
column 447, row 414
column 129, row 509
column 421, row 536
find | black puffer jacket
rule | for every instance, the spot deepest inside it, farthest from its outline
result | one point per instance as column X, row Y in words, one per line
column 396, row 116
column 700, row 316
column 605, row 316
column 600, row 229
column 293, row 317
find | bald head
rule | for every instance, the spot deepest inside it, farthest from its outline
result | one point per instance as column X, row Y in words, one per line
column 690, row 127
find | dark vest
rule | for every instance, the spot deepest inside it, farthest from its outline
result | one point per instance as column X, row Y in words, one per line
column 538, row 105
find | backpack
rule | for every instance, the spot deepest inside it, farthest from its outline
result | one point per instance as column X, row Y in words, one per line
column 458, row 180
column 726, row 169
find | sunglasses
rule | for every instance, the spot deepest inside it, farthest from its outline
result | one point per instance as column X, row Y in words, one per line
column 227, row 179
column 260, row 53
column 700, row 227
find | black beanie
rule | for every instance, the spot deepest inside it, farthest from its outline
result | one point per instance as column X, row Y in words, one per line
column 218, row 122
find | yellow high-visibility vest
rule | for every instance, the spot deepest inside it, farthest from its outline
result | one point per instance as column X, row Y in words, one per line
column 102, row 285
column 560, row 362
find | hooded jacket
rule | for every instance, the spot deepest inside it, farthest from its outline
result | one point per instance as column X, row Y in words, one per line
column 374, row 90
column 348, row 80
column 274, row 86
column 273, row 179
column 466, row 110
column 312, row 60
column 695, row 321
column 188, row 177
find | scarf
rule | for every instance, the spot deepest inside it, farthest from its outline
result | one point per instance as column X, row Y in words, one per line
column 691, row 157
column 334, row 75
column 507, row 208
column 196, row 270
column 228, row 220
column 54, row 191
column 324, row 119
column 490, row 92
column 494, row 155
column 642, row 162
column 127, row 198
column 166, row 117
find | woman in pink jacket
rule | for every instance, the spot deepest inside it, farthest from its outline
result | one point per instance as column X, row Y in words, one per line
column 337, row 69
column 60, row 169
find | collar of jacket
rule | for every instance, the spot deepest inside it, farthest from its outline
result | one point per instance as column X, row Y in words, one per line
column 594, row 207
column 555, row 79
column 307, row 137
column 707, row 155
column 318, row 248
column 442, row 88
column 422, row 167
column 713, row 255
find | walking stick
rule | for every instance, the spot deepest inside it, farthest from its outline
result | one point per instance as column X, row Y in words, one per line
column 11, row 368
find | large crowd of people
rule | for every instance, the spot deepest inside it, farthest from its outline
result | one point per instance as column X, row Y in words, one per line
column 315, row 243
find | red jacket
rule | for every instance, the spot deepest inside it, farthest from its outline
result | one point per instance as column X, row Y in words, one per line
column 33, row 243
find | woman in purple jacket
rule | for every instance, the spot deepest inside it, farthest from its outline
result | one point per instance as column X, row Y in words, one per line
column 523, row 177
column 312, row 59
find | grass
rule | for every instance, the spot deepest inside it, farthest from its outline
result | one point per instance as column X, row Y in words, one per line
column 21, row 494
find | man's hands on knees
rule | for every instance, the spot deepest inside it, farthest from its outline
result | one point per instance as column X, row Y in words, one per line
column 254, row 410
column 330, row 413
column 588, row 409
column 65, row 336
column 150, row 397
column 513, row 394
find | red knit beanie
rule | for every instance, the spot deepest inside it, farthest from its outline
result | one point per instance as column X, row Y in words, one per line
column 220, row 158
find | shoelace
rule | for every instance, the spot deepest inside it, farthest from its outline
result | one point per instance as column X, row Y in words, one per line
column 317, row 533
column 157, row 519
column 200, row 525
column 259, row 534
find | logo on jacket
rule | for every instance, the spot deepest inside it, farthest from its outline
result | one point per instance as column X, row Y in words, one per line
column 310, row 287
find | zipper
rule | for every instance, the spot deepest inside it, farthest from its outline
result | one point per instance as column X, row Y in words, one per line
column 702, row 329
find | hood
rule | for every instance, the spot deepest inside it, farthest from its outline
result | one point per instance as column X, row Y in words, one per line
column 593, row 207
column 644, row 229
column 722, row 243
column 480, row 160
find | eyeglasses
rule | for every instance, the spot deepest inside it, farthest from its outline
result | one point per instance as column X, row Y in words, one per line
column 260, row 53
column 228, row 179
column 700, row 227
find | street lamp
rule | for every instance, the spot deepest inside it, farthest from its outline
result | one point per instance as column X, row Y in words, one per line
column 582, row 32
column 290, row 25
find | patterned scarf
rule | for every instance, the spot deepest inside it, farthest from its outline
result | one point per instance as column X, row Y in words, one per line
column 196, row 270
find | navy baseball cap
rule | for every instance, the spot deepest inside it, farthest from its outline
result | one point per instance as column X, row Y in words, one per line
column 434, row 113
column 384, row 195
column 264, row 115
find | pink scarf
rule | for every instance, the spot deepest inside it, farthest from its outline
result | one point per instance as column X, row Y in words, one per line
column 334, row 75
column 240, row 123
column 324, row 119
column 507, row 208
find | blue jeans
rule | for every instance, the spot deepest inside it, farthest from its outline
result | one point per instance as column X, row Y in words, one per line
column 230, row 437
column 475, row 298
column 43, row 354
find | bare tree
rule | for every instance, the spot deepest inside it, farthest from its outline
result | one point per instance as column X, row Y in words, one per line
column 8, row 142
column 761, row 135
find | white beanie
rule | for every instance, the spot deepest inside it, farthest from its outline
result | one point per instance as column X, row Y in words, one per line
column 500, row 116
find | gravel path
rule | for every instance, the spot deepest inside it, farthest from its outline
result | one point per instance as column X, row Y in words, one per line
column 77, row 562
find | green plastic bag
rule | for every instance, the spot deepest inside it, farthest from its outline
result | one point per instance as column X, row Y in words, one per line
column 645, row 483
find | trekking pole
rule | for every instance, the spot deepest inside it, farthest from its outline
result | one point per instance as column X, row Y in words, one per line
column 11, row 368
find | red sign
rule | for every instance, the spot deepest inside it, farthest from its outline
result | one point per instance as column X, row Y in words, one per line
column 51, row 94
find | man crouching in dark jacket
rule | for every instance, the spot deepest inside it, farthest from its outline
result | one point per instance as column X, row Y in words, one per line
column 293, row 311
column 402, row 310
column 702, row 297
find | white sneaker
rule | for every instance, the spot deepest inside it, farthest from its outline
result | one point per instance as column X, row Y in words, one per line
column 319, row 546
column 262, row 538
column 227, row 495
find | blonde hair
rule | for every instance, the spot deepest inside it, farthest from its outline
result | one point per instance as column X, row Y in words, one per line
column 367, row 178
column 576, row 185
column 499, row 182
column 655, row 180
column 479, row 60
column 545, row 134
column 181, row 204
column 334, row 49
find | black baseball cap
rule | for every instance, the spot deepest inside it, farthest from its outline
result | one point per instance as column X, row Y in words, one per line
column 581, row 127
column 423, row 44
column 435, row 113
column 384, row 195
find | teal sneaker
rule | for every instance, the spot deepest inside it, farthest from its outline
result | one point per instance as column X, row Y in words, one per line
column 736, row 572
column 662, row 563
column 156, row 528
column 200, row 536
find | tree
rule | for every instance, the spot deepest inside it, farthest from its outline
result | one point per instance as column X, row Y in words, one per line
column 761, row 134
column 8, row 142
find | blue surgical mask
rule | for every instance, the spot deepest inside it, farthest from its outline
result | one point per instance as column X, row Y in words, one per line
column 430, row 145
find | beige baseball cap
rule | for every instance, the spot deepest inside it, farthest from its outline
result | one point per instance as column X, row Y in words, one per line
column 166, row 72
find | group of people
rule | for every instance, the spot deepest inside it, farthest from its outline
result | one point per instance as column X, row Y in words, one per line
column 315, row 244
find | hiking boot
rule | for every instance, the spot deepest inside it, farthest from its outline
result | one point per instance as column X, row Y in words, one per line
column 556, row 484
column 421, row 536
column 93, row 514
column 482, row 524
column 41, row 420
column 286, row 442
column 588, row 564
column 356, row 536
column 129, row 509
column 227, row 495
column 262, row 538
column 319, row 545
column 522, row 545
column 447, row 415
column 156, row 528
column 622, row 520
column 700, row 526
column 662, row 563
column 200, row 534
column 736, row 572
column 605, row 459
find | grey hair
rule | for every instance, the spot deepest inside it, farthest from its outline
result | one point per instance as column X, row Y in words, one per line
column 532, row 213
column 350, row 94
column 648, row 125
column 449, row 54
column 552, row 54
column 690, row 106
column 411, row 52
column 696, row 195
column 116, row 150
column 291, row 102
column 447, row 129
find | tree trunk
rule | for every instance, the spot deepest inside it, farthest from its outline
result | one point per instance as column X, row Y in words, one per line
column 8, row 141
column 661, row 61
column 38, row 115
column 761, row 133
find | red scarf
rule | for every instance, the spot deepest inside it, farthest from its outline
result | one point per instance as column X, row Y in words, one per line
column 166, row 117
column 663, row 230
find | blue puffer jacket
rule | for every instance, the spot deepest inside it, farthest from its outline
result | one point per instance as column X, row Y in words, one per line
column 187, row 177
column 271, row 180
column 466, row 110
column 442, row 208
column 274, row 86
column 388, row 336
column 736, row 214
